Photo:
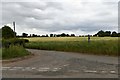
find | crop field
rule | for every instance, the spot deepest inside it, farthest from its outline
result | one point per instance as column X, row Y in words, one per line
column 98, row 45
column 43, row 39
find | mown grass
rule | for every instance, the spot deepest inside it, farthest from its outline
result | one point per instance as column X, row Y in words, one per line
column 13, row 52
column 97, row 46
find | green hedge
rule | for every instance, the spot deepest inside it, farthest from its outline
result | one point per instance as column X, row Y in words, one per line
column 7, row 42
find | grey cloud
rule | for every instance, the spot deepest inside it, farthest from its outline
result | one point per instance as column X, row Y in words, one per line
column 10, row 13
column 57, row 16
column 57, row 5
column 33, row 5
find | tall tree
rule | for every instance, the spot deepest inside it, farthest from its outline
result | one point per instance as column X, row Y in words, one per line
column 7, row 32
column 107, row 33
column 114, row 34
column 63, row 35
column 24, row 34
column 51, row 35
column 0, row 33
column 118, row 34
column 72, row 35
column 101, row 33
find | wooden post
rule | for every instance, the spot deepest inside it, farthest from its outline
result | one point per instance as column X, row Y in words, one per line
column 88, row 38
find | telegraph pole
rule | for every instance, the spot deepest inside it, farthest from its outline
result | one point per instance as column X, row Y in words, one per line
column 14, row 29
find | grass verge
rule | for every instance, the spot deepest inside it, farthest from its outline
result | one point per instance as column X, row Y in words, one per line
column 14, row 52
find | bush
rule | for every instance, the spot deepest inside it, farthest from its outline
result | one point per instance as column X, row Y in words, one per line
column 7, row 42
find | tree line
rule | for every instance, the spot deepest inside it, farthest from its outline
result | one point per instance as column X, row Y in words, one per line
column 51, row 35
column 7, row 32
column 100, row 33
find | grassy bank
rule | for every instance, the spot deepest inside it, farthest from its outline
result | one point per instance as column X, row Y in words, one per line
column 14, row 52
column 98, row 46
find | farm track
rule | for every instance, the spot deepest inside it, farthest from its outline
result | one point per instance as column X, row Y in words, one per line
column 55, row 64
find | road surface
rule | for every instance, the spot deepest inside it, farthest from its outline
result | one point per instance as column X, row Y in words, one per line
column 55, row 64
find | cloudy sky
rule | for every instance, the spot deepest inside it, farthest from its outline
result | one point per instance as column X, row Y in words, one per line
column 58, row 16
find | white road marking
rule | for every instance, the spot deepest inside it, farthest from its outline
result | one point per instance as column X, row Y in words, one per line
column 66, row 65
column 57, row 68
column 112, row 72
column 44, row 69
column 90, row 71
column 54, row 70
column 33, row 68
column 103, row 71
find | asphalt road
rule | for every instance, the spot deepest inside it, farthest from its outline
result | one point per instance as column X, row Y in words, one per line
column 55, row 64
